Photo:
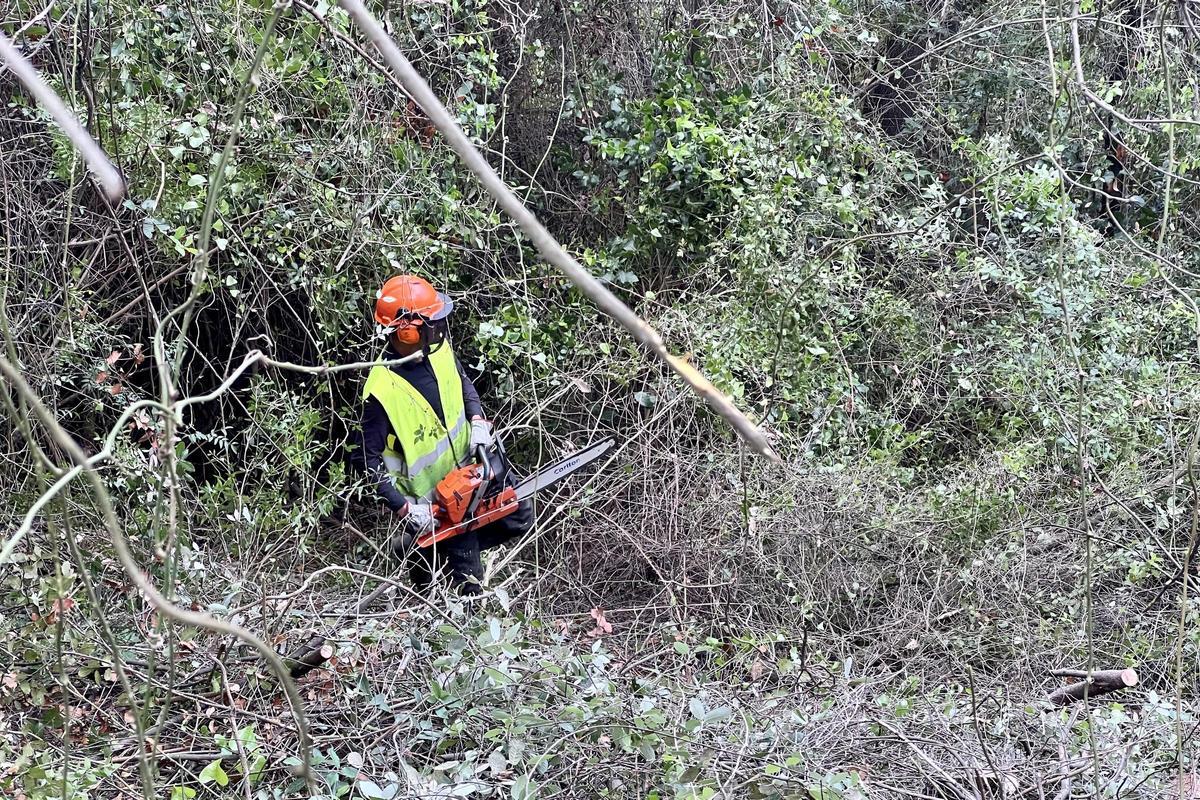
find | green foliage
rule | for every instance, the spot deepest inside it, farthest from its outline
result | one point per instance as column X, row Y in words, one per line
column 972, row 335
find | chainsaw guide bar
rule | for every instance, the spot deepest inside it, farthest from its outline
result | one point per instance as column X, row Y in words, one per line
column 551, row 474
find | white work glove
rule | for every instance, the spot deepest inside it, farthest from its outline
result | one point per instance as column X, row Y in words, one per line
column 481, row 434
column 419, row 518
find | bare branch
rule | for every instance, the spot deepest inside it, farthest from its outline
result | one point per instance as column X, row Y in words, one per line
column 139, row 578
column 1097, row 100
column 106, row 174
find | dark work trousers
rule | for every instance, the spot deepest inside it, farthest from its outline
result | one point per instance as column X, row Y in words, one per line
column 459, row 557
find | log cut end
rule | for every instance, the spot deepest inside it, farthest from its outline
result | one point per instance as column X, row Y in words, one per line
column 1093, row 684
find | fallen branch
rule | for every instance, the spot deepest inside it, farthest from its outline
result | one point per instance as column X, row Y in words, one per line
column 1091, row 684
column 106, row 174
column 546, row 244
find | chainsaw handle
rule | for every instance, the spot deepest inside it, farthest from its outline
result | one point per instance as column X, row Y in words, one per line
column 482, row 457
column 486, row 474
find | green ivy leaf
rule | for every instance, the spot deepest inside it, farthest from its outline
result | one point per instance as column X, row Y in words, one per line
column 524, row 788
column 369, row 789
column 214, row 772
column 256, row 768
column 372, row 791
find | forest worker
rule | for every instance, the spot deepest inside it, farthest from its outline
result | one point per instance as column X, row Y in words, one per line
column 422, row 419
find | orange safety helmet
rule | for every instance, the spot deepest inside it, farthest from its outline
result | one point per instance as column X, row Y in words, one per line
column 407, row 296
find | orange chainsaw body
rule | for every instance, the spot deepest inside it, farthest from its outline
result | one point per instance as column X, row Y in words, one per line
column 452, row 502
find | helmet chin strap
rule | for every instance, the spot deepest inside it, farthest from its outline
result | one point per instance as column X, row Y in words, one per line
column 426, row 333
column 430, row 331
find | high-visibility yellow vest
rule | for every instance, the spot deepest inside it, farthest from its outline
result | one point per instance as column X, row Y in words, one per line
column 421, row 451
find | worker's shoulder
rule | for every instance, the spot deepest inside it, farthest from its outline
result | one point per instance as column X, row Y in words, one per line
column 379, row 378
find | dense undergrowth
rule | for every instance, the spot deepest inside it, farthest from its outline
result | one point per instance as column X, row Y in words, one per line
column 956, row 292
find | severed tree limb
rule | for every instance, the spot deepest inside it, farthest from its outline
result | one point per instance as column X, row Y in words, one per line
column 1091, row 684
column 111, row 182
column 546, row 244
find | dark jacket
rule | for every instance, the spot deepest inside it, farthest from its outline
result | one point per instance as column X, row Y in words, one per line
column 376, row 426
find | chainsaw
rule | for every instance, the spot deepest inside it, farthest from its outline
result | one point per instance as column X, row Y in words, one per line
column 466, row 499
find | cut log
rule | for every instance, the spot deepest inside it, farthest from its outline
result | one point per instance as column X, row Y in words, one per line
column 307, row 657
column 1091, row 684
column 312, row 654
